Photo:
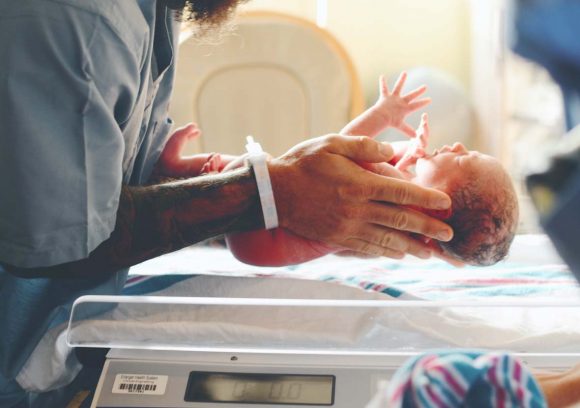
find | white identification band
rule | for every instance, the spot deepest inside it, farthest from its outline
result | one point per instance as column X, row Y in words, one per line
column 257, row 159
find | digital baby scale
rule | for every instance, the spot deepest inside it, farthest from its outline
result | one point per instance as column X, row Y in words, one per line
column 267, row 353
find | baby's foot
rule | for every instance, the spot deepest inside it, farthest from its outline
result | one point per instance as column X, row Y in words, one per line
column 172, row 152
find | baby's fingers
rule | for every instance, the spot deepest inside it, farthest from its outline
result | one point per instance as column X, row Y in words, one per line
column 423, row 130
column 413, row 106
column 414, row 94
column 383, row 87
column 176, row 143
column 400, row 83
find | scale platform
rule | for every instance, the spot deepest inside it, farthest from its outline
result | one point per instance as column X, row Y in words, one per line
column 272, row 353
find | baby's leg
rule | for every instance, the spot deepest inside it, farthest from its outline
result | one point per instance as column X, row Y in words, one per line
column 276, row 247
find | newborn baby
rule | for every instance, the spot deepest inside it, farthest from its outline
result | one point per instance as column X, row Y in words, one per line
column 484, row 209
column 483, row 215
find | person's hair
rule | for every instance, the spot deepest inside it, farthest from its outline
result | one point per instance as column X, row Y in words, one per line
column 484, row 219
column 206, row 15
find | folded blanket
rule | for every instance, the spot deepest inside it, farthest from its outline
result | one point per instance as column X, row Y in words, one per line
column 461, row 379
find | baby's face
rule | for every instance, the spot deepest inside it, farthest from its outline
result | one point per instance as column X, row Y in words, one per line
column 450, row 165
column 484, row 210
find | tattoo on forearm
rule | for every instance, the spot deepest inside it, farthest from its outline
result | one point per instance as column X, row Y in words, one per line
column 177, row 214
column 157, row 219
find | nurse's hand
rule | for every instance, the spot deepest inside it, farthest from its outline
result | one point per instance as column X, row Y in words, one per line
column 322, row 194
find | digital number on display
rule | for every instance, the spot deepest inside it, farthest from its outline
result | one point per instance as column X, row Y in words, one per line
column 260, row 388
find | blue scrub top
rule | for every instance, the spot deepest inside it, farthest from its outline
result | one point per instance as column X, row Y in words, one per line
column 84, row 94
column 83, row 108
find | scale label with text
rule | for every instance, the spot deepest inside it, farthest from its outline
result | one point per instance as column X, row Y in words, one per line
column 140, row 384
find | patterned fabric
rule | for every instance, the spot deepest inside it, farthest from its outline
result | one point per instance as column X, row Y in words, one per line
column 464, row 379
column 532, row 270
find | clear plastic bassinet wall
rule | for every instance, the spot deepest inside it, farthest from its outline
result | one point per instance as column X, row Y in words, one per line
column 363, row 327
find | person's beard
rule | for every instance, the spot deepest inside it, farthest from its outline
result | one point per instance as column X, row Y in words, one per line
column 206, row 14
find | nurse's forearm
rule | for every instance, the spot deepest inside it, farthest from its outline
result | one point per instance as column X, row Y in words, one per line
column 157, row 219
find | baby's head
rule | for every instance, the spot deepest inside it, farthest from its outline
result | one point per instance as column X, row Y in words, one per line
column 484, row 204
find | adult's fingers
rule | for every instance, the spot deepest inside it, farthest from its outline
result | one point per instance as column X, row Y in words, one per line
column 404, row 192
column 360, row 148
column 347, row 253
column 439, row 253
column 395, row 240
column 405, row 219
column 449, row 260
column 384, row 169
column 365, row 247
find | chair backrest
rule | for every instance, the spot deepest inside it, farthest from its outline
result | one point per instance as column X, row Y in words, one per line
column 279, row 78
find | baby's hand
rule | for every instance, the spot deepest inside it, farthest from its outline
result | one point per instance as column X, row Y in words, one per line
column 395, row 107
column 423, row 132
column 213, row 164
column 416, row 148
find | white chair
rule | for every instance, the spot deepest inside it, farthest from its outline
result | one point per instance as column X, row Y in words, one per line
column 279, row 78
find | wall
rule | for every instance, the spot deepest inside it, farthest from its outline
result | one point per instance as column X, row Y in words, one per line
column 387, row 36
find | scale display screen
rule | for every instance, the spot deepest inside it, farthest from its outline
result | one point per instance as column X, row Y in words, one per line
column 260, row 388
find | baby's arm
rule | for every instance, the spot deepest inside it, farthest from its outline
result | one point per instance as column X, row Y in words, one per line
column 390, row 110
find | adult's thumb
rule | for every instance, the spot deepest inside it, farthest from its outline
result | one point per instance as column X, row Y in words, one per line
column 362, row 149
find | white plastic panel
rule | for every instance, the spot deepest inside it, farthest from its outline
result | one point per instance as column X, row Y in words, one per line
column 323, row 326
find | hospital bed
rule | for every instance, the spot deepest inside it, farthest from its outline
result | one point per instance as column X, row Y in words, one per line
column 204, row 327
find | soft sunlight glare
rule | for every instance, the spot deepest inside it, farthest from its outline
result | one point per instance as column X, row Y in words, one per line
column 321, row 13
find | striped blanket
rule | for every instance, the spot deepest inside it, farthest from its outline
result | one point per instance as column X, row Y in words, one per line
column 532, row 270
column 462, row 379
